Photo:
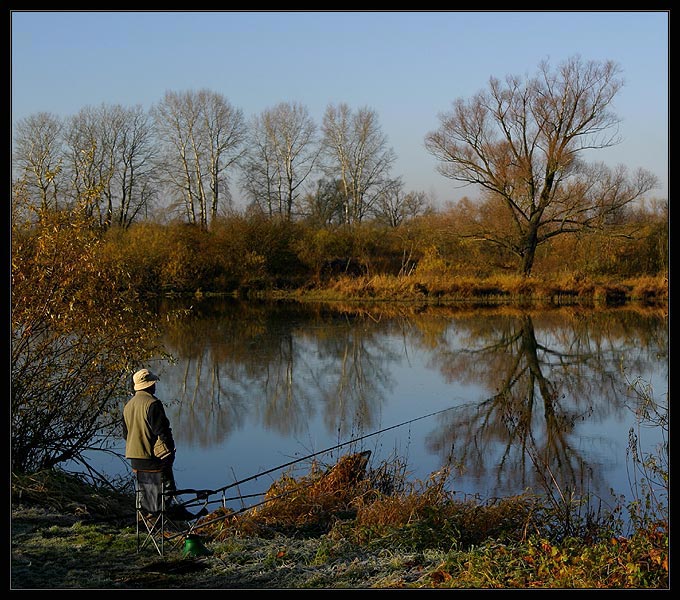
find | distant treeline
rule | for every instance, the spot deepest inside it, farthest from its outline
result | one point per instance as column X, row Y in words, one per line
column 115, row 204
column 193, row 151
column 255, row 254
column 155, row 188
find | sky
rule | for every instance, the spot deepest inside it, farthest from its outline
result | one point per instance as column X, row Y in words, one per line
column 408, row 66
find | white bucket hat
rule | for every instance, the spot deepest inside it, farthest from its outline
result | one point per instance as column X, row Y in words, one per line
column 144, row 379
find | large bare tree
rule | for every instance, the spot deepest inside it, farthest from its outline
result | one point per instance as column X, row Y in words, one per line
column 201, row 136
column 282, row 153
column 523, row 141
column 89, row 159
column 357, row 153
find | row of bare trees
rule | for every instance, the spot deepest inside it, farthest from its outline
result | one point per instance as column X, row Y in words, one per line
column 521, row 142
column 182, row 155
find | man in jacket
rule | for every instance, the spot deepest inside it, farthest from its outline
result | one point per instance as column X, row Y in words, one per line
column 149, row 444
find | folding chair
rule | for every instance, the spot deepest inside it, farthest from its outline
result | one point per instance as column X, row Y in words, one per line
column 150, row 507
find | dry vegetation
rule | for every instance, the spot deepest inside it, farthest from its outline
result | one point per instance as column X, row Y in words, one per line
column 426, row 260
column 336, row 527
column 507, row 289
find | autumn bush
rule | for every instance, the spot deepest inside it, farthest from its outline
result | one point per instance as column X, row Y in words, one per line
column 436, row 254
column 140, row 252
column 77, row 331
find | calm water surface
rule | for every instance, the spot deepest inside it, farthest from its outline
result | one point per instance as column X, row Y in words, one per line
column 512, row 400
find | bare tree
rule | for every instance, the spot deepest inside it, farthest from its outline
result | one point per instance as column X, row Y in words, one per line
column 134, row 179
column 89, row 159
column 109, row 161
column 356, row 152
column 325, row 205
column 259, row 169
column 394, row 206
column 201, row 136
column 281, row 155
column 38, row 155
column 522, row 140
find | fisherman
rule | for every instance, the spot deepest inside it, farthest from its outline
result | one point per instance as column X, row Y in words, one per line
column 149, row 443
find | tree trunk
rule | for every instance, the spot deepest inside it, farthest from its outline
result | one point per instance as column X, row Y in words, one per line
column 529, row 252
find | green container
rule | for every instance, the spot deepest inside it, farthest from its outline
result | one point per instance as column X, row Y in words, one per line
column 193, row 546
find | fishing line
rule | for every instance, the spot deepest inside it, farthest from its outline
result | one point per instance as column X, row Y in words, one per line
column 292, row 462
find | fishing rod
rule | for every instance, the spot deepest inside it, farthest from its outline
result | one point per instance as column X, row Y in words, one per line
column 297, row 460
column 201, row 524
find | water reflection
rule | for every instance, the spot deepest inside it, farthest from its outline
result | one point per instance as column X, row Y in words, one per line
column 279, row 366
column 542, row 402
column 542, row 391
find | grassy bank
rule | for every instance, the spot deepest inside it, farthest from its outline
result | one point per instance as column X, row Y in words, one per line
column 331, row 529
column 438, row 288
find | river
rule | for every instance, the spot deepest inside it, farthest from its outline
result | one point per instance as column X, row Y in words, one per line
column 508, row 400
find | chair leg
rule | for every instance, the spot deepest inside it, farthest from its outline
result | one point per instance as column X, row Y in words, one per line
column 150, row 528
column 154, row 533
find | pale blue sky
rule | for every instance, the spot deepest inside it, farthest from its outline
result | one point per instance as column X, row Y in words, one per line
column 408, row 66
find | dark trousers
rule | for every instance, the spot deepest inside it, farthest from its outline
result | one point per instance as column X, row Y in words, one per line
column 167, row 474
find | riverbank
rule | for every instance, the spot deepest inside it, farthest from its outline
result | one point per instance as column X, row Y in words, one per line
column 56, row 550
column 67, row 534
column 539, row 292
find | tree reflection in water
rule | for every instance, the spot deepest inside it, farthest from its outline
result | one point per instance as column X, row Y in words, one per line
column 548, row 379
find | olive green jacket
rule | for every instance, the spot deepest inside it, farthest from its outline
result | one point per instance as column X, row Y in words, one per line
column 144, row 425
